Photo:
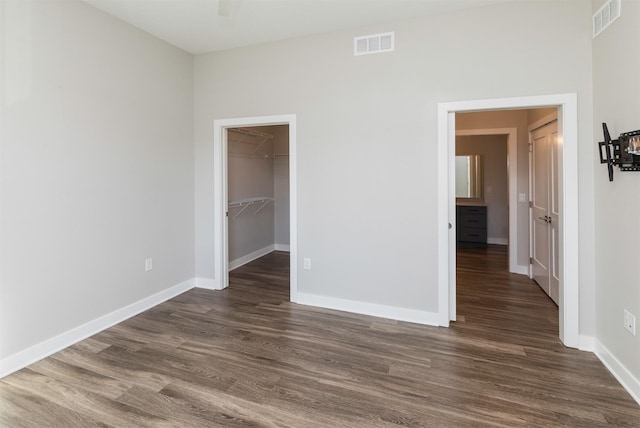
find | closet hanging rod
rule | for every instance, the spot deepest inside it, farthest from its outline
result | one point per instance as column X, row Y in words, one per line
column 258, row 155
column 249, row 201
column 259, row 138
column 253, row 142
column 243, row 204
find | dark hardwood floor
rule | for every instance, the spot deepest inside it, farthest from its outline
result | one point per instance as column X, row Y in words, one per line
column 247, row 357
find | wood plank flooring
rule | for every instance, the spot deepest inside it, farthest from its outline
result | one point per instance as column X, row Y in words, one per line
column 246, row 357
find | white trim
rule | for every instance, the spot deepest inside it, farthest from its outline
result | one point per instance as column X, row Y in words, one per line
column 206, row 283
column 618, row 370
column 293, row 208
column 512, row 170
column 373, row 309
column 446, row 223
column 221, row 246
column 587, row 343
column 500, row 241
column 241, row 261
column 282, row 247
column 50, row 346
column 521, row 270
column 220, row 207
column 569, row 245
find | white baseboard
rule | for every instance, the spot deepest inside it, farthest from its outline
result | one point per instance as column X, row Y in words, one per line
column 374, row 309
column 586, row 343
column 521, row 270
column 282, row 247
column 618, row 370
column 50, row 346
column 498, row 241
column 206, row 283
column 241, row 261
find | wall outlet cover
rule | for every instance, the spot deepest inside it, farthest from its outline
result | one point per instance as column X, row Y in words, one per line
column 630, row 322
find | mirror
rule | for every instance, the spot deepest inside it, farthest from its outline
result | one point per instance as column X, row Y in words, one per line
column 469, row 176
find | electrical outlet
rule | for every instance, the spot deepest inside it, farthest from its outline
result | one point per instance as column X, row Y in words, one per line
column 148, row 265
column 630, row 322
column 307, row 263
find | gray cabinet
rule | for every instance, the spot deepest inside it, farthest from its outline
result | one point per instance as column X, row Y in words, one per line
column 471, row 225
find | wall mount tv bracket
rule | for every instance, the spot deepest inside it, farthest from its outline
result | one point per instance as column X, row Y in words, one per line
column 623, row 152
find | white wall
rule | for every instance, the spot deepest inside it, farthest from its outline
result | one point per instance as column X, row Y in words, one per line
column 96, row 168
column 616, row 86
column 367, row 135
column 493, row 149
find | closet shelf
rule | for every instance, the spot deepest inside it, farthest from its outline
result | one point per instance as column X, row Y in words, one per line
column 243, row 204
column 248, row 136
column 244, row 131
column 253, row 138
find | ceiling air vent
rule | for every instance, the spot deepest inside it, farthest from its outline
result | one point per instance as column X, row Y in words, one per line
column 373, row 43
column 605, row 16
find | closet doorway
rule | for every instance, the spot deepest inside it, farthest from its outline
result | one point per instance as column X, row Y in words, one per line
column 258, row 192
column 255, row 208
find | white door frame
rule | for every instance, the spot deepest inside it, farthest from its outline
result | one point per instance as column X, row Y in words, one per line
column 512, row 161
column 568, row 192
column 221, row 244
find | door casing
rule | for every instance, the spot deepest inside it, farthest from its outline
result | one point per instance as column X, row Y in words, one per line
column 221, row 245
column 568, row 192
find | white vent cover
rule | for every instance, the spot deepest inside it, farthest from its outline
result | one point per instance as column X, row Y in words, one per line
column 605, row 16
column 373, row 43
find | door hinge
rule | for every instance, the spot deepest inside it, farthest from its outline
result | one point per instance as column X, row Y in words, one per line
column 530, row 204
column 530, row 260
column 531, row 147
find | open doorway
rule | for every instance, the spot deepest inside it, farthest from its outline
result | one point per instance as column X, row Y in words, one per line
column 566, row 105
column 238, row 144
column 495, row 235
column 258, row 192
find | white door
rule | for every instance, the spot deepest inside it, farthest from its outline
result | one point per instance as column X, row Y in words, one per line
column 554, row 212
column 544, row 208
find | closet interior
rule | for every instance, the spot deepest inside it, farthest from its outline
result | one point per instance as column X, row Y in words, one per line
column 258, row 192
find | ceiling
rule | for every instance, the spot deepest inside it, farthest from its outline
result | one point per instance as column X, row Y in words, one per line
column 197, row 27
